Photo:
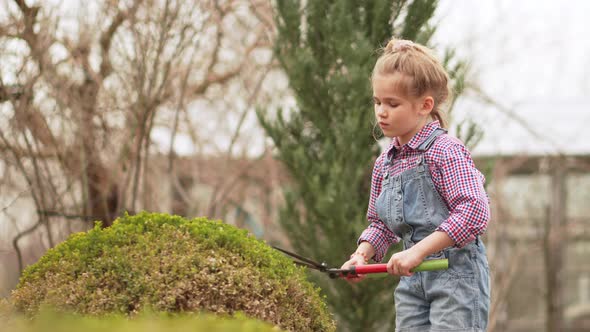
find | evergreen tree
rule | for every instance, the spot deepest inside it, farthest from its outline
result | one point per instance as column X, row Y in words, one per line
column 327, row 50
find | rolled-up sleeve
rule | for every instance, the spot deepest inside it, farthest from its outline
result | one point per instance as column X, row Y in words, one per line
column 461, row 185
column 377, row 234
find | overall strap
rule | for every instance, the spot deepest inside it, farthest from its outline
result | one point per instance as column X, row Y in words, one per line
column 430, row 140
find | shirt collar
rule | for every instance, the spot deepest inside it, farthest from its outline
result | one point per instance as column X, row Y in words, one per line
column 415, row 142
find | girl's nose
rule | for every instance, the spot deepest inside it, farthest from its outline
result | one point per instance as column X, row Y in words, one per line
column 380, row 111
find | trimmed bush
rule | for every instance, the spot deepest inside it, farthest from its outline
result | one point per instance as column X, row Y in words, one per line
column 166, row 263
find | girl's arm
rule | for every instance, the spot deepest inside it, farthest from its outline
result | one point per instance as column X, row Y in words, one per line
column 376, row 238
column 365, row 249
column 434, row 242
column 461, row 186
column 402, row 262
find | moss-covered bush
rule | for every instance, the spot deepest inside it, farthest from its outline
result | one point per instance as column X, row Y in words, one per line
column 167, row 263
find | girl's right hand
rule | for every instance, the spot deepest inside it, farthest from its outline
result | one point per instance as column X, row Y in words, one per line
column 355, row 260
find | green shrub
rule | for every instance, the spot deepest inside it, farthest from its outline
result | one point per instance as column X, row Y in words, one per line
column 51, row 322
column 167, row 263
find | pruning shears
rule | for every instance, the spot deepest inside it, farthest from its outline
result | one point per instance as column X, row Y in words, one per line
column 428, row 265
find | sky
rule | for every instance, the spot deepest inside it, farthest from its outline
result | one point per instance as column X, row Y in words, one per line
column 532, row 58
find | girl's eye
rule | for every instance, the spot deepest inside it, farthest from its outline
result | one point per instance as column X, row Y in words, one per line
column 393, row 105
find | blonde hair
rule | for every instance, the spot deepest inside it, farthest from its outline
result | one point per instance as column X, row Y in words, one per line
column 422, row 72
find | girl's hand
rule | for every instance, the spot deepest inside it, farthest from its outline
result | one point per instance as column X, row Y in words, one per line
column 355, row 260
column 402, row 262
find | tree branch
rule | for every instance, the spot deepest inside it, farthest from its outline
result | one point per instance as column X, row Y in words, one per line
column 13, row 201
column 18, row 237
column 107, row 37
column 10, row 92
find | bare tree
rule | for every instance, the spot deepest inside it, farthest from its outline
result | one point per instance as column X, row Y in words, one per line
column 83, row 95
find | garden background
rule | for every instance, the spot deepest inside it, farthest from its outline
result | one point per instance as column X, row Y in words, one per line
column 254, row 112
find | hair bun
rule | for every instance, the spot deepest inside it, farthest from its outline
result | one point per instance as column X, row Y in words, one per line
column 396, row 45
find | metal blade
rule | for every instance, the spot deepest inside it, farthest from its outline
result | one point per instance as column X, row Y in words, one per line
column 304, row 261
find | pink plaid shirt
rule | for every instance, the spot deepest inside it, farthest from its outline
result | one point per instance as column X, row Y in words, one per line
column 455, row 177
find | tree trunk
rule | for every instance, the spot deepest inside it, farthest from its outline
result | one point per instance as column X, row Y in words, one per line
column 101, row 194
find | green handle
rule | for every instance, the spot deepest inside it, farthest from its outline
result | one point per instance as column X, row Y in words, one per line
column 432, row 265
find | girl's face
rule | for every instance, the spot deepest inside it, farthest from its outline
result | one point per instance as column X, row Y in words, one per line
column 397, row 114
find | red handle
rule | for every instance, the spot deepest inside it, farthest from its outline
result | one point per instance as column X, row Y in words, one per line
column 429, row 265
column 371, row 268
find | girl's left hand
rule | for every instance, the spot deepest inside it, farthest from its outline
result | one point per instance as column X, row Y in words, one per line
column 402, row 262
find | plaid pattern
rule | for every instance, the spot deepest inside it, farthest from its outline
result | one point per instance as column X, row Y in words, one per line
column 455, row 177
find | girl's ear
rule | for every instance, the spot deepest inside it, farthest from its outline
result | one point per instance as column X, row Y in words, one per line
column 427, row 105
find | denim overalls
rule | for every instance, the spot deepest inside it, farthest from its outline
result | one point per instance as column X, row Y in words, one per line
column 456, row 299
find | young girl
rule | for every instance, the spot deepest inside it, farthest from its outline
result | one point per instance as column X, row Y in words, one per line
column 427, row 193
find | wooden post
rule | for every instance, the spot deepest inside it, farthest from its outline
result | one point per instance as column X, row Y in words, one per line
column 555, row 242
